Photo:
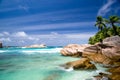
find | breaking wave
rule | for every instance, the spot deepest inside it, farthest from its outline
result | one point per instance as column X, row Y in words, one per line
column 31, row 50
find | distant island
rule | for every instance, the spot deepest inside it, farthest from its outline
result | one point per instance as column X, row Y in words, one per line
column 36, row 46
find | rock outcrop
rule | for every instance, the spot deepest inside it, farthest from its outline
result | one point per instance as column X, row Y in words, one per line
column 107, row 52
column 83, row 63
column 94, row 54
column 115, row 73
column 74, row 50
column 114, row 40
column 1, row 45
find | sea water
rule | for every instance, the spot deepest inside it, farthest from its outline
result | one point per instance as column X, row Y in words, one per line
column 39, row 64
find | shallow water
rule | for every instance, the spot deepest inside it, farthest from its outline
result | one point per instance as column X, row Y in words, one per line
column 39, row 64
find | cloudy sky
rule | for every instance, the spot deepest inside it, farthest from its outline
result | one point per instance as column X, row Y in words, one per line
column 52, row 22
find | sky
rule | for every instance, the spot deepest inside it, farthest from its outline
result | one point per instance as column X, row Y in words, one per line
column 52, row 22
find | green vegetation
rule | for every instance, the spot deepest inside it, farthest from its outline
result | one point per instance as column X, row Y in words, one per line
column 106, row 28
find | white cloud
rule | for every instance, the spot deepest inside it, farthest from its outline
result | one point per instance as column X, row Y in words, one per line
column 5, row 39
column 1, row 35
column 19, row 34
column 4, row 34
column 80, row 36
column 22, row 39
column 106, row 8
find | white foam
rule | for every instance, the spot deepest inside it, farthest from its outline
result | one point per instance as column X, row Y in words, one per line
column 1, row 51
column 55, row 50
column 64, row 69
column 69, row 69
column 34, row 51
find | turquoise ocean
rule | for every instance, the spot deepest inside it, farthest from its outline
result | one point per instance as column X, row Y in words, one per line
column 39, row 64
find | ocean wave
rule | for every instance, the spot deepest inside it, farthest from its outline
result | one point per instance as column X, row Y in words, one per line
column 33, row 51
column 1, row 51
column 66, row 69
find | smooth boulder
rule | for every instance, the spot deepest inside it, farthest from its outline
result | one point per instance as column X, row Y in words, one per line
column 83, row 63
column 74, row 50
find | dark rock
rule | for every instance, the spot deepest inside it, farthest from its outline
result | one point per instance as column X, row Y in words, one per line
column 1, row 45
column 83, row 63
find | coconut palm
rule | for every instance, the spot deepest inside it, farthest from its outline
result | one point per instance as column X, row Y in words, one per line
column 100, row 23
column 113, row 20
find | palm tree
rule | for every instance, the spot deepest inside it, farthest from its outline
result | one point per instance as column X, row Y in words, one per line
column 113, row 20
column 100, row 23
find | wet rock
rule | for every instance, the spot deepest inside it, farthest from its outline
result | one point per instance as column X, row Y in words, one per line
column 83, row 63
column 74, row 50
column 101, row 76
column 115, row 73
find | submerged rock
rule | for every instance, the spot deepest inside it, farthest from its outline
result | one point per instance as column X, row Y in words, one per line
column 83, row 63
column 74, row 50
column 101, row 76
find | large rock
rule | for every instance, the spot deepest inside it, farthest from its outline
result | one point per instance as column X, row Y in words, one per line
column 112, row 41
column 115, row 73
column 83, row 63
column 1, row 45
column 94, row 54
column 73, row 50
column 107, row 52
column 112, row 53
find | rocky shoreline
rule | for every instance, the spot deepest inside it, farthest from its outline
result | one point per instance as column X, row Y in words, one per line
column 106, row 53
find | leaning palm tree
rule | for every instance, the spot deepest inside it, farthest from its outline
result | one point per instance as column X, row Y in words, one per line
column 100, row 23
column 113, row 20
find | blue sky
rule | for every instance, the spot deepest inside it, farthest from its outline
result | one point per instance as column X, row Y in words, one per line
column 52, row 22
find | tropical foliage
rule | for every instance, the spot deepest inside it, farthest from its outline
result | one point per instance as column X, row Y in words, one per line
column 106, row 28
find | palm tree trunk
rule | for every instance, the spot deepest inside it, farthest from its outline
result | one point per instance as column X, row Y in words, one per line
column 114, row 28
